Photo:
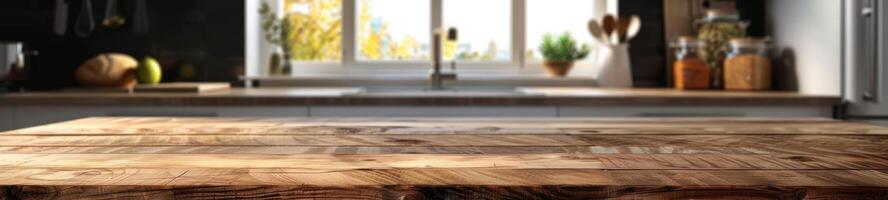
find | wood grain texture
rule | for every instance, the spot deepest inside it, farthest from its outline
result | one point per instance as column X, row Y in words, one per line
column 266, row 158
column 440, row 177
column 327, row 163
column 334, row 97
column 479, row 150
column 442, row 140
column 432, row 193
column 468, row 126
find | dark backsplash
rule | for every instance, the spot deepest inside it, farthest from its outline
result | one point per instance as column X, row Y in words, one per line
column 648, row 49
column 206, row 33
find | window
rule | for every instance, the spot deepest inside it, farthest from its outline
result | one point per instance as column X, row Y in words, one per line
column 317, row 29
column 396, row 34
column 556, row 16
column 394, row 29
column 484, row 29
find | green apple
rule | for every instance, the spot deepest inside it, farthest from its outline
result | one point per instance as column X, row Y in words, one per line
column 149, row 71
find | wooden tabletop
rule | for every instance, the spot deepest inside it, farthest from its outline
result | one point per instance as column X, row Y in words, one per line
column 268, row 158
column 542, row 96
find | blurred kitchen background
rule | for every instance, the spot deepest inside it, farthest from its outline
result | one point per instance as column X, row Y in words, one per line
column 208, row 35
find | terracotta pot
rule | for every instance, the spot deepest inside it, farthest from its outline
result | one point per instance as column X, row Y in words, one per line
column 558, row 68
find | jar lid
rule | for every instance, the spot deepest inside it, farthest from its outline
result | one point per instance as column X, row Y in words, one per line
column 688, row 41
column 722, row 15
column 749, row 42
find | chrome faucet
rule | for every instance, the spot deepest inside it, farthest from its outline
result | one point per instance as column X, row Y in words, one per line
column 436, row 78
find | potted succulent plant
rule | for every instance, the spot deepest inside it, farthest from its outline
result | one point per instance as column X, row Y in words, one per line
column 560, row 53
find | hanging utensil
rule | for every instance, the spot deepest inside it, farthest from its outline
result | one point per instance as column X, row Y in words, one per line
column 595, row 30
column 634, row 27
column 140, row 18
column 609, row 24
column 85, row 24
column 112, row 18
column 61, row 18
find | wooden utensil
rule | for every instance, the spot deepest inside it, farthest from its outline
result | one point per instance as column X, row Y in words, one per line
column 595, row 30
column 622, row 29
column 609, row 24
column 183, row 87
column 634, row 27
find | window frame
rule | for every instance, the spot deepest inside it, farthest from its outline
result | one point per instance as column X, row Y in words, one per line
column 349, row 61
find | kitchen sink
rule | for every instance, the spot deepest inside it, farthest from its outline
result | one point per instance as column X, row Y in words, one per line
column 450, row 91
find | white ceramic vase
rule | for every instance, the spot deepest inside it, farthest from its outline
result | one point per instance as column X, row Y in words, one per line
column 614, row 67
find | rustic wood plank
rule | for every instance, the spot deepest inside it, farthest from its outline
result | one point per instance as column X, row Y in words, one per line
column 307, row 162
column 260, row 158
column 361, row 150
column 441, row 177
column 295, row 126
column 391, row 130
column 443, row 193
column 448, row 140
column 210, row 192
column 327, row 162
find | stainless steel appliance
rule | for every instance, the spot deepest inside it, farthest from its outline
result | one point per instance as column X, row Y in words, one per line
column 866, row 70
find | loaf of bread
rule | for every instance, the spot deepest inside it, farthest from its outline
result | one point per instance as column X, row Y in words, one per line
column 108, row 70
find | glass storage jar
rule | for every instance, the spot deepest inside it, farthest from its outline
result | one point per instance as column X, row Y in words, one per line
column 716, row 29
column 689, row 71
column 748, row 64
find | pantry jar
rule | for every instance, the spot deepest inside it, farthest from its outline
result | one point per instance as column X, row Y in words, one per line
column 748, row 64
column 689, row 71
column 716, row 29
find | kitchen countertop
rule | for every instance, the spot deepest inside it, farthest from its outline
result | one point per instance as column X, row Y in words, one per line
column 482, row 158
column 543, row 96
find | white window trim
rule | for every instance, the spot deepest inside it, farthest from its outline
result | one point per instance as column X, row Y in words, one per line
column 257, row 49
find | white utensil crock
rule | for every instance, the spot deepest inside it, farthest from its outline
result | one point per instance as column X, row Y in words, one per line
column 614, row 67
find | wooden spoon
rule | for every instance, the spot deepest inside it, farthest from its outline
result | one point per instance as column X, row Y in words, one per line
column 622, row 29
column 634, row 27
column 609, row 24
column 595, row 30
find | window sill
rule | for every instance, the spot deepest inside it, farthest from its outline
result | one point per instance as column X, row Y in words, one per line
column 418, row 79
